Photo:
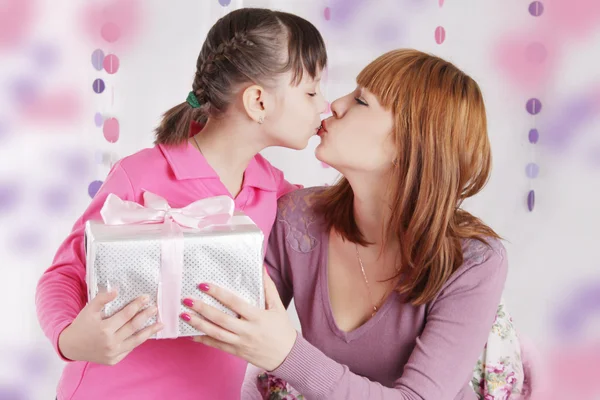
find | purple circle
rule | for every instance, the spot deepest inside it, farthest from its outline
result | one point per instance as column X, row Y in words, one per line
column 536, row 8
column 536, row 53
column 534, row 136
column 98, row 59
column 45, row 55
column 76, row 165
column 531, row 200
column 224, row 3
column 24, row 91
column 27, row 240
column 532, row 170
column 36, row 361
column 13, row 393
column 341, row 12
column 533, row 106
column 584, row 304
column 93, row 188
column 56, row 199
column 387, row 32
column 98, row 120
column 99, row 86
column 8, row 197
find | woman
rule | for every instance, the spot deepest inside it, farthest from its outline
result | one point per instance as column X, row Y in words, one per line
column 395, row 286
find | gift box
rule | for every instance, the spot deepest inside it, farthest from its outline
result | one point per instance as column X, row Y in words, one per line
column 166, row 252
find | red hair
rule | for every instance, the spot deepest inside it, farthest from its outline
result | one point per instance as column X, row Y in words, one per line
column 443, row 157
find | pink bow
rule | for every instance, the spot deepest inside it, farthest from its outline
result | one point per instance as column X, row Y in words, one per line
column 199, row 214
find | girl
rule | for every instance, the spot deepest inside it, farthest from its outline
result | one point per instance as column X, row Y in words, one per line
column 256, row 85
column 396, row 287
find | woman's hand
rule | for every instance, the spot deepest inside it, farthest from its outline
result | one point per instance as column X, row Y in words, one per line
column 264, row 338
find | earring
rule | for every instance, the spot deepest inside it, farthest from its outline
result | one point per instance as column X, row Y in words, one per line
column 261, row 119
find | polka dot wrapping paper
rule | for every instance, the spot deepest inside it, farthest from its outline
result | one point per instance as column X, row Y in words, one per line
column 128, row 258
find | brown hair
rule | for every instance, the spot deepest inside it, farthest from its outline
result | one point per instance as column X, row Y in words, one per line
column 443, row 157
column 246, row 45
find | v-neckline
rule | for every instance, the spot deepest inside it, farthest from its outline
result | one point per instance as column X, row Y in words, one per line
column 324, row 283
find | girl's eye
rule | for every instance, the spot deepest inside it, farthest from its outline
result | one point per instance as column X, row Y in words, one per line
column 359, row 101
column 312, row 94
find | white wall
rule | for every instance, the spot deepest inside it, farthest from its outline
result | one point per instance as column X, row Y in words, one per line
column 552, row 251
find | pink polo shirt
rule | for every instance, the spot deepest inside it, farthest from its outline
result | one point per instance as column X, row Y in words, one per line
column 158, row 369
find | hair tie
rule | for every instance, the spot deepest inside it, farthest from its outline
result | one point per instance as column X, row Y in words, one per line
column 192, row 100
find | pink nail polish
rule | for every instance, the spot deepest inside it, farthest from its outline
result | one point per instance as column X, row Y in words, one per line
column 188, row 302
column 204, row 287
column 186, row 317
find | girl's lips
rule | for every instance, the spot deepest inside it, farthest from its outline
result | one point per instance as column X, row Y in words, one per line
column 323, row 129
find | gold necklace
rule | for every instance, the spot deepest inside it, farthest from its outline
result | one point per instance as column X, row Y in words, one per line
column 362, row 268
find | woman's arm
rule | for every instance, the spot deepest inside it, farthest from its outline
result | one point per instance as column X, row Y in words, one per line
column 441, row 364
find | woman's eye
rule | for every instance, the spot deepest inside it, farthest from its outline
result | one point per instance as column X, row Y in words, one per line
column 312, row 94
column 359, row 101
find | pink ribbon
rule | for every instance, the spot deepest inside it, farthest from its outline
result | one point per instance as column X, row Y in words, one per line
column 198, row 215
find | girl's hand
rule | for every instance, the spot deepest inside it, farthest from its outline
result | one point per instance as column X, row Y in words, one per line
column 107, row 341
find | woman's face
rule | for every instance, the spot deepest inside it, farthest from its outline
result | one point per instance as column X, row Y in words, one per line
column 358, row 137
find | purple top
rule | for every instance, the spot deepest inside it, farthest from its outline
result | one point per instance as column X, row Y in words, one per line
column 404, row 352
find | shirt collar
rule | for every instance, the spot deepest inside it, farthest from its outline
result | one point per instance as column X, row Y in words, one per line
column 187, row 162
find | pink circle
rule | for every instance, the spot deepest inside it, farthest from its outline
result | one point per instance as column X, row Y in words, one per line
column 17, row 20
column 536, row 53
column 111, row 63
column 327, row 13
column 111, row 130
column 110, row 32
column 440, row 35
column 441, row 3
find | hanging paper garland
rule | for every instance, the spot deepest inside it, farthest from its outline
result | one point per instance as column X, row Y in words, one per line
column 440, row 31
column 110, row 63
column 536, row 53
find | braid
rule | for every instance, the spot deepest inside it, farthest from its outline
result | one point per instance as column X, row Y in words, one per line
column 207, row 67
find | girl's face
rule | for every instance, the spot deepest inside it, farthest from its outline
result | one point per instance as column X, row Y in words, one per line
column 358, row 137
column 295, row 115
